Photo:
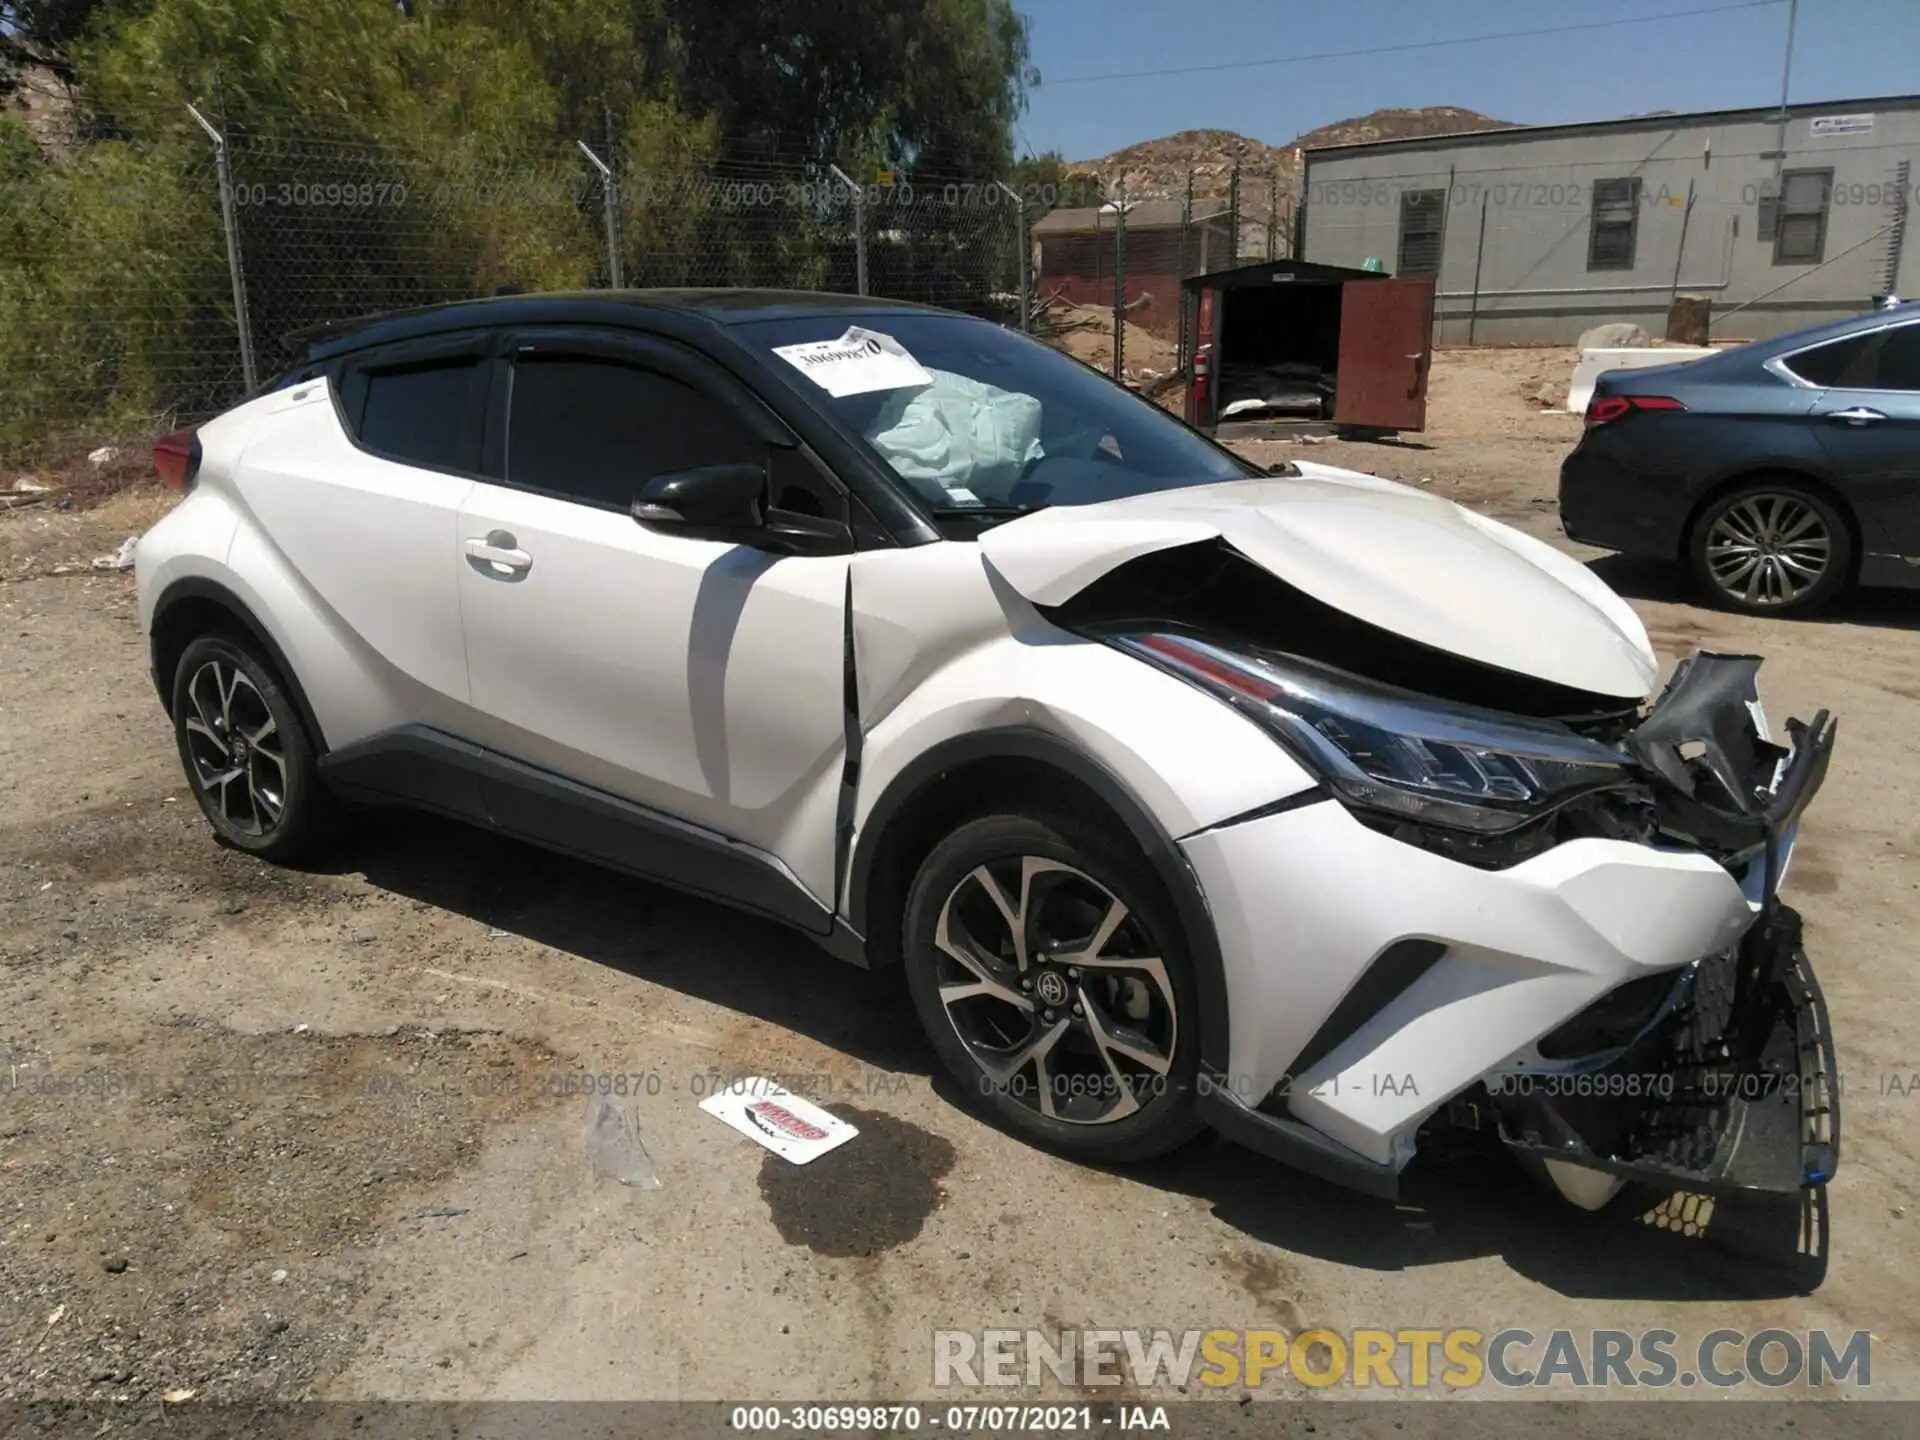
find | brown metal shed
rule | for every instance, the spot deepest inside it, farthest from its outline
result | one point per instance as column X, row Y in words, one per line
column 1307, row 346
column 1079, row 256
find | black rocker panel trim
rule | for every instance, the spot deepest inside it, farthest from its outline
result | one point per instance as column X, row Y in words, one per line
column 419, row 766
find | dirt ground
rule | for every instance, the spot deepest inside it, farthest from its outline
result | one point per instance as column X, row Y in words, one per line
column 273, row 1134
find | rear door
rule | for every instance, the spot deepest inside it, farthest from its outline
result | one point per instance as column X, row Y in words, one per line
column 699, row 678
column 1868, row 422
column 360, row 487
column 1386, row 343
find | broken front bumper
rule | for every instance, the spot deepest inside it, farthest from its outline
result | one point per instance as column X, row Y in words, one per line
column 1373, row 981
column 1735, row 1090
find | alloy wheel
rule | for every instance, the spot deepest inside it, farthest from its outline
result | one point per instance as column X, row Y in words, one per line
column 1057, row 990
column 234, row 745
column 1768, row 549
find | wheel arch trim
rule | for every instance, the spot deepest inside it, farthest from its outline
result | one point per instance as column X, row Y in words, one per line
column 1029, row 743
column 198, row 587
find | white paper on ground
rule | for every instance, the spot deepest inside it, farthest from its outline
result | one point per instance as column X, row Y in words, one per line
column 858, row 362
column 793, row 1128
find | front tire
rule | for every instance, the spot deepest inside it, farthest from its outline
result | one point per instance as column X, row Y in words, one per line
column 1772, row 547
column 247, row 755
column 1049, row 972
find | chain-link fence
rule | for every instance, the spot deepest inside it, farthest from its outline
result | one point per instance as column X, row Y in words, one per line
column 1113, row 261
column 153, row 271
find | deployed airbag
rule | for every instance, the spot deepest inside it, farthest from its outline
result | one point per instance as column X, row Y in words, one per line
column 963, row 435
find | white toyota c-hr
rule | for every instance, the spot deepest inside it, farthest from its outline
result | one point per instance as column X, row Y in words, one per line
column 1297, row 803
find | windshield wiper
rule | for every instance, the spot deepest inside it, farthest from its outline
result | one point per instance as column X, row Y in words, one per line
column 987, row 512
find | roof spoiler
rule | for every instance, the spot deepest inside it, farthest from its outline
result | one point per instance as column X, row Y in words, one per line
column 311, row 335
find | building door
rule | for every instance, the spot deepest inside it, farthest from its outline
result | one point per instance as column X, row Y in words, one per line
column 1386, row 342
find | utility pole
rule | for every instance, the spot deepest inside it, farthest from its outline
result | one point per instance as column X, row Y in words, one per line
column 1786, row 79
column 1233, row 214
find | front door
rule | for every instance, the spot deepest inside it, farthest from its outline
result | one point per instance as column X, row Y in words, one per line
column 1868, row 422
column 698, row 678
column 1386, row 343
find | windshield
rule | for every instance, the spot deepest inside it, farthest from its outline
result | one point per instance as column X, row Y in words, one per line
column 981, row 420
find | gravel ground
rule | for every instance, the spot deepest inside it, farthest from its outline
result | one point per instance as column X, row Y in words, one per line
column 268, row 1134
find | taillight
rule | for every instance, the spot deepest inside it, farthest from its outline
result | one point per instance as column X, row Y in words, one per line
column 1605, row 409
column 177, row 458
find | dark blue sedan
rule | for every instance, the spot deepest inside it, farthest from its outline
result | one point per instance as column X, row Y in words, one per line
column 1779, row 472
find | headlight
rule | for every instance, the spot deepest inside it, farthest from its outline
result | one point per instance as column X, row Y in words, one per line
column 1390, row 751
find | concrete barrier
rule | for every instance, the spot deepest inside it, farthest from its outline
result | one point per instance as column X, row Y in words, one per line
column 1595, row 363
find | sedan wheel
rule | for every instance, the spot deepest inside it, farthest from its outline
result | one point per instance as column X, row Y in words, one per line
column 1048, row 973
column 1771, row 550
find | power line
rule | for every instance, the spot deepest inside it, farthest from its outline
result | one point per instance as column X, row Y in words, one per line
column 1419, row 44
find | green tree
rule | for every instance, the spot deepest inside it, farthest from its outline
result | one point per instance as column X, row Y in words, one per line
column 934, row 84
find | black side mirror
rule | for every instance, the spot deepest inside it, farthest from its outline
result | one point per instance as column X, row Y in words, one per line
column 708, row 497
column 728, row 502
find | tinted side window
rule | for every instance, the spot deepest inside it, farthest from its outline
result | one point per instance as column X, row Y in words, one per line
column 1900, row 359
column 420, row 413
column 1839, row 362
column 1882, row 360
column 597, row 430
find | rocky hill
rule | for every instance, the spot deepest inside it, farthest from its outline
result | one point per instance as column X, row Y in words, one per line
column 1269, row 174
column 1401, row 125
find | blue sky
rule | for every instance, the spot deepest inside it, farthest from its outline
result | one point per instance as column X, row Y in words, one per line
column 1842, row 48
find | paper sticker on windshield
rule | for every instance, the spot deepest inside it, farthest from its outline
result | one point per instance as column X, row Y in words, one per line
column 858, row 362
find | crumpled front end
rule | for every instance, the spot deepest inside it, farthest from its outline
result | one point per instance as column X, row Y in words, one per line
column 1614, row 989
column 1735, row 1084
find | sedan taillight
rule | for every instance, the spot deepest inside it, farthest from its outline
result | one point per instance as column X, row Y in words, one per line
column 1605, row 409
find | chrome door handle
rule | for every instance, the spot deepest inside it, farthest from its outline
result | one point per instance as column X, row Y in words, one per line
column 498, row 554
column 1858, row 415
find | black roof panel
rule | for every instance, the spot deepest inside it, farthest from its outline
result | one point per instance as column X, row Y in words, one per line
column 606, row 307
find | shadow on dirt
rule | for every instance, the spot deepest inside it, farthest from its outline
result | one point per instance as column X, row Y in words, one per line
column 696, row 947
column 1639, row 578
column 1458, row 1206
column 1474, row 1201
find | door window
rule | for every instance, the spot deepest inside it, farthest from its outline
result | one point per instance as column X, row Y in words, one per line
column 595, row 430
column 1879, row 360
column 1899, row 359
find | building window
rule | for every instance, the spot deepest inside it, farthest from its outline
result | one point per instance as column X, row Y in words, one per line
column 1616, row 219
column 1422, row 224
column 1766, row 220
column 1800, row 234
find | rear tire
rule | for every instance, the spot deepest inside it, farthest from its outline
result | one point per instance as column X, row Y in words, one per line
column 1050, row 973
column 246, row 753
column 1771, row 547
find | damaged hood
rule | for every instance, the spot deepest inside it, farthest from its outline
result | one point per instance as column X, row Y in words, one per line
column 1395, row 557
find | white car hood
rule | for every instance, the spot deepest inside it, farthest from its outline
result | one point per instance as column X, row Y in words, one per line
column 1412, row 563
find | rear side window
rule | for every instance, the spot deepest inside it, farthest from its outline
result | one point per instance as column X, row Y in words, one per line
column 596, row 430
column 1836, row 363
column 419, row 412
